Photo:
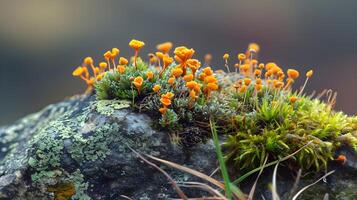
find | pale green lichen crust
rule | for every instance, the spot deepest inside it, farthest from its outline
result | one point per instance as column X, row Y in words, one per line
column 82, row 138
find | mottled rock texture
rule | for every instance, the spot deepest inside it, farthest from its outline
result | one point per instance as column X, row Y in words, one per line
column 83, row 144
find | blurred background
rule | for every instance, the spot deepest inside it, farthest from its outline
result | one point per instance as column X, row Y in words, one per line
column 41, row 42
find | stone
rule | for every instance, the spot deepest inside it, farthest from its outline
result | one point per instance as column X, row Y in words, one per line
column 84, row 143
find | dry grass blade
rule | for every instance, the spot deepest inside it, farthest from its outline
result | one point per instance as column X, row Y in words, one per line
column 274, row 188
column 203, row 186
column 203, row 198
column 252, row 190
column 190, row 171
column 173, row 182
column 326, row 196
column 306, row 187
column 126, row 197
column 297, row 179
column 215, row 171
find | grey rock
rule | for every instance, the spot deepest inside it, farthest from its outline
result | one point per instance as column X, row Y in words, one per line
column 85, row 142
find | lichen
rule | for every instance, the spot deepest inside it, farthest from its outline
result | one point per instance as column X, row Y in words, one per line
column 108, row 107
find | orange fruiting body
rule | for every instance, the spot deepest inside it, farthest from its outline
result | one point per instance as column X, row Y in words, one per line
column 164, row 47
column 292, row 73
column 136, row 44
column 156, row 88
column 309, row 73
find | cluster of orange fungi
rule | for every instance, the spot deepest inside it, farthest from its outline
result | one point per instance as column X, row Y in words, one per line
column 186, row 68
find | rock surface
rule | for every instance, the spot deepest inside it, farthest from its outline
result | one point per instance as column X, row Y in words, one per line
column 85, row 142
column 79, row 148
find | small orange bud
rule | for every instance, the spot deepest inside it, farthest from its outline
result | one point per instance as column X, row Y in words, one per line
column 254, row 62
column 269, row 66
column 136, row 44
column 244, row 68
column 156, row 88
column 342, row 159
column 163, row 110
column 210, row 79
column 278, row 84
column 138, row 82
column 212, row 86
column 208, row 71
column 103, row 65
column 241, row 57
column 107, row 55
column 171, row 80
column 191, row 85
column 193, row 94
column 115, row 52
column 169, row 95
column 258, row 87
column 292, row 73
column 257, row 72
column 293, row 99
column 121, row 69
column 258, row 81
column 160, row 55
column 254, row 47
column 165, row 101
column 226, row 56
column 123, row 61
column 167, row 60
column 202, row 76
column 150, row 75
column 208, row 58
column 261, row 66
column 177, row 72
column 88, row 60
column 78, row 71
column 309, row 73
column 243, row 88
column 188, row 77
column 164, row 47
column 247, row 81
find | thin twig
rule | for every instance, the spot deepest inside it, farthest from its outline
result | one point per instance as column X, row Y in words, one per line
column 297, row 179
column 273, row 189
column 190, row 171
column 306, row 187
column 126, row 197
column 252, row 190
column 203, row 186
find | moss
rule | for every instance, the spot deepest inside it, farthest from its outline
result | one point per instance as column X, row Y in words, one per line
column 259, row 124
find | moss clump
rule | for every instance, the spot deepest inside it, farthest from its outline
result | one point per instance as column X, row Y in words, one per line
column 271, row 126
column 256, row 107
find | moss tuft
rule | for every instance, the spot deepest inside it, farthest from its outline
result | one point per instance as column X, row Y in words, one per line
column 256, row 107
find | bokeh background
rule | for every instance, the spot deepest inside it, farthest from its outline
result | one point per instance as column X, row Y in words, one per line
column 41, row 42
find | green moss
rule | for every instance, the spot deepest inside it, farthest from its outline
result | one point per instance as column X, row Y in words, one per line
column 258, row 124
column 271, row 126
